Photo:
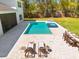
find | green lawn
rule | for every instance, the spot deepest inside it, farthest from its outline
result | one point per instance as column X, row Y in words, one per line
column 72, row 24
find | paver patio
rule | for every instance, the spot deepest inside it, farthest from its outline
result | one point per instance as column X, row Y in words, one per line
column 61, row 50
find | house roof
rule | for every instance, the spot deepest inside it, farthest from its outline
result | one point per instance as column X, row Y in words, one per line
column 4, row 7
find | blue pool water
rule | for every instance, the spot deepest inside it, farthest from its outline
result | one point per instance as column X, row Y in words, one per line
column 38, row 28
column 52, row 25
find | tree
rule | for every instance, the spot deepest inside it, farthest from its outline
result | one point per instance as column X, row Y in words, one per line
column 51, row 6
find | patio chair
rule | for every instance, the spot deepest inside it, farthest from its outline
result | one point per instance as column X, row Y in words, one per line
column 65, row 34
column 31, row 50
column 42, row 51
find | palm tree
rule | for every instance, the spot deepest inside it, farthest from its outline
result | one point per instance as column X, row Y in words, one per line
column 77, row 4
column 77, row 9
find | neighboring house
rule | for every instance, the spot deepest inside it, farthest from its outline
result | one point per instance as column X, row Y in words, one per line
column 11, row 13
column 38, row 1
column 43, row 1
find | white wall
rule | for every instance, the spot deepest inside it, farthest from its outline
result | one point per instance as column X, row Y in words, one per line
column 1, row 31
column 19, row 11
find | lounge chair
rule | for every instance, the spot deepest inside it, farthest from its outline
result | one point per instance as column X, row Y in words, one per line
column 31, row 50
column 68, row 37
column 43, row 50
column 77, row 44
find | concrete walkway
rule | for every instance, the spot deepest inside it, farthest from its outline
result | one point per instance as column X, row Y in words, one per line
column 8, row 40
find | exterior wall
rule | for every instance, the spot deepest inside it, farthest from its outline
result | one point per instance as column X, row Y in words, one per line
column 1, row 31
column 19, row 11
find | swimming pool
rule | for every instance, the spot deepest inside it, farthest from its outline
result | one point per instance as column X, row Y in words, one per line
column 38, row 28
column 52, row 25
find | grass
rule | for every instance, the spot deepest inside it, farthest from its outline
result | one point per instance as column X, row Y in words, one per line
column 72, row 24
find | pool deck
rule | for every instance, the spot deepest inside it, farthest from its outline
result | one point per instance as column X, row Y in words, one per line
column 61, row 50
